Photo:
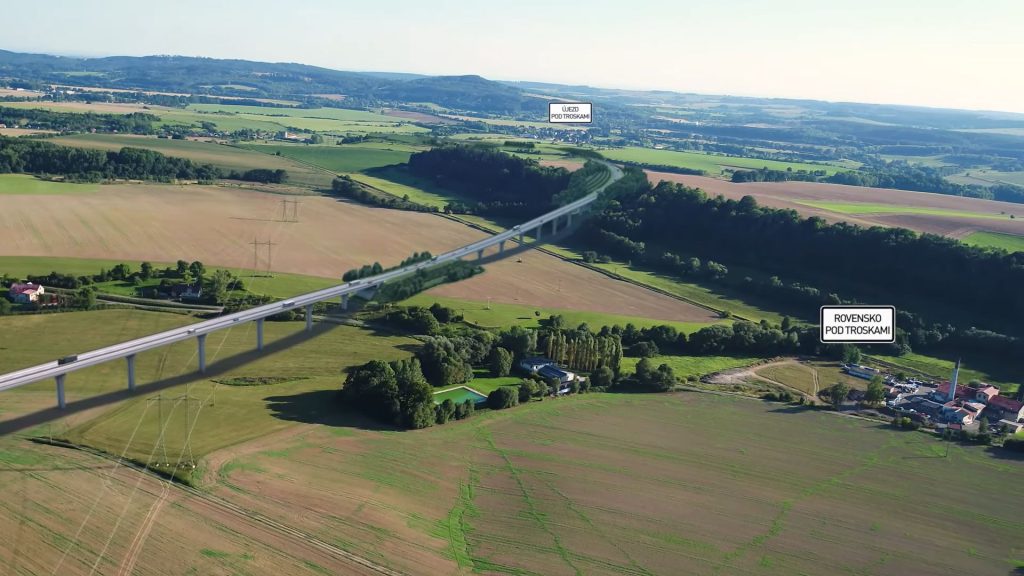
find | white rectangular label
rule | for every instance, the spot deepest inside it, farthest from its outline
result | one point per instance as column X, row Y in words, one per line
column 570, row 112
column 853, row 324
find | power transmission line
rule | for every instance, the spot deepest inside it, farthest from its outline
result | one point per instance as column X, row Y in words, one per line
column 256, row 254
column 284, row 210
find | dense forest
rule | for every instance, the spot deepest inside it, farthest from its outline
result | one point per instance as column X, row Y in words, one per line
column 500, row 183
column 672, row 228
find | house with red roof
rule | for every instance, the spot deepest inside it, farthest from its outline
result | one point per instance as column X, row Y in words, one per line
column 1007, row 408
column 25, row 293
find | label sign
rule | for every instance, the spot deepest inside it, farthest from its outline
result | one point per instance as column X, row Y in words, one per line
column 570, row 112
column 853, row 324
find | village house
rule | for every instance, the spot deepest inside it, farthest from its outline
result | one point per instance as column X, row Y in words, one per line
column 1007, row 408
column 26, row 292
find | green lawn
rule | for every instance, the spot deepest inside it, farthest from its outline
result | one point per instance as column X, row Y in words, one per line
column 873, row 208
column 686, row 366
column 346, row 158
column 281, row 285
column 1008, row 242
column 501, row 315
column 710, row 163
column 24, row 184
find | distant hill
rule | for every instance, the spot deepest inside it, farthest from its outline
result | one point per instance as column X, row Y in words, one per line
column 261, row 79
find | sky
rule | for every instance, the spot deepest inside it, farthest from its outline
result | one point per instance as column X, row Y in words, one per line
column 943, row 53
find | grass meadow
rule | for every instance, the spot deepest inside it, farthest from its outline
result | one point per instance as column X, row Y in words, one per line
column 1008, row 242
column 220, row 155
column 346, row 158
column 496, row 314
column 32, row 186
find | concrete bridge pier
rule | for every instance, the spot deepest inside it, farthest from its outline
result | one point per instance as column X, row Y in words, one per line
column 309, row 317
column 537, row 231
column 521, row 238
column 201, row 341
column 501, row 247
column 568, row 219
column 131, row 372
column 60, row 391
column 344, row 301
column 480, row 254
column 259, row 334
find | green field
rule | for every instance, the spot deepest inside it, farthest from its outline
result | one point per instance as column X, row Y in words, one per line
column 24, row 184
column 987, row 177
column 873, row 208
column 400, row 183
column 710, row 163
column 648, row 484
column 228, row 414
column 330, row 120
column 695, row 366
column 1008, row 242
column 343, row 114
column 222, row 156
column 347, row 158
column 500, row 315
column 280, row 285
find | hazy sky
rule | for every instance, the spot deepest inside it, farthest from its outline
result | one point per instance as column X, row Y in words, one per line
column 951, row 53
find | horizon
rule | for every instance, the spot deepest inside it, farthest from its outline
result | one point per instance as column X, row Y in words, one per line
column 524, row 80
column 862, row 52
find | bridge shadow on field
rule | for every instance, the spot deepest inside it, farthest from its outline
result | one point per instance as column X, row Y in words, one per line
column 213, row 369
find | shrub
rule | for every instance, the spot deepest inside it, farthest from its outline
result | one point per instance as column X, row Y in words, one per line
column 503, row 397
column 1014, row 444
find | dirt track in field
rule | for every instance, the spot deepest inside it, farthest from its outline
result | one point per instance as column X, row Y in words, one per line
column 216, row 225
column 789, row 194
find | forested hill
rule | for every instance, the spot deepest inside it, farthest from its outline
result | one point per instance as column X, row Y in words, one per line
column 244, row 78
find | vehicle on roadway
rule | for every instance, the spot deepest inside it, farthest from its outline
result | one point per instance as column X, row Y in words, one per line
column 66, row 360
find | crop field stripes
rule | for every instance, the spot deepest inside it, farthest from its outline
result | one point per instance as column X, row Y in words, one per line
column 532, row 509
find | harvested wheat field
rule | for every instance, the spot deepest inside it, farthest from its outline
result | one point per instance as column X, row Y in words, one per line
column 164, row 223
column 942, row 214
column 544, row 281
column 217, row 225
column 69, row 512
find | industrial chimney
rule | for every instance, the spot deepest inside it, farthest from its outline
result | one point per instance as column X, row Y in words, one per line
column 952, row 385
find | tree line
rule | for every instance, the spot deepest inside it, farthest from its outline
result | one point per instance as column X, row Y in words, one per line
column 24, row 155
column 654, row 224
column 134, row 123
column 345, row 187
